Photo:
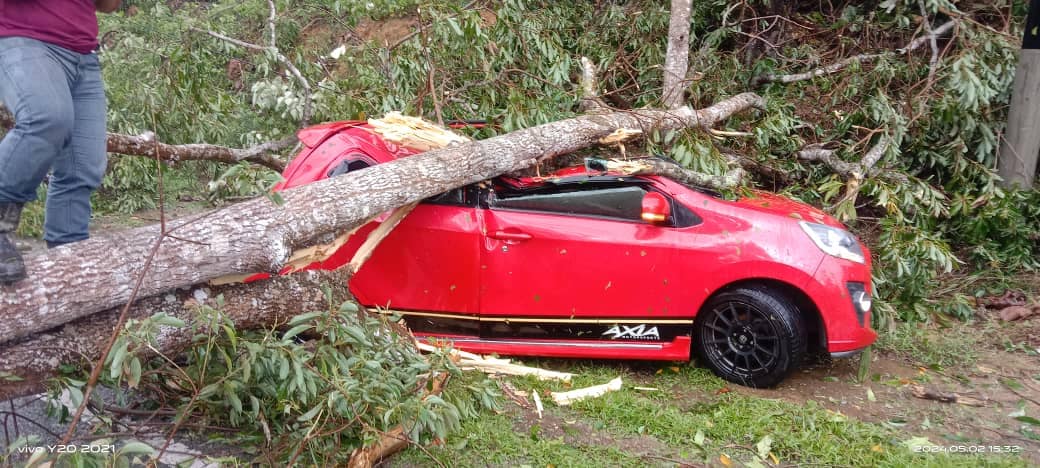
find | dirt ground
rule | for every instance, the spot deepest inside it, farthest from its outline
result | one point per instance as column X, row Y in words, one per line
column 1001, row 383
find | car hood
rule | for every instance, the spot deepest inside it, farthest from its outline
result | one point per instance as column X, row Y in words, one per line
column 769, row 202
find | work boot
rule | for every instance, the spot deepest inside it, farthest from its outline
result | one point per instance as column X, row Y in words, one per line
column 12, row 269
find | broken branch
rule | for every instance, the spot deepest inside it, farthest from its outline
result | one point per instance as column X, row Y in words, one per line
column 663, row 167
column 145, row 145
column 854, row 173
column 861, row 58
column 590, row 98
column 942, row 397
column 394, row 440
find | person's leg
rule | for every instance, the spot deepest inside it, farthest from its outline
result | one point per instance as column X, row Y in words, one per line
column 34, row 87
column 79, row 169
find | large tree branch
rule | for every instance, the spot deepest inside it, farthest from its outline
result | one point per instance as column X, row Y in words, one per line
column 80, row 279
column 677, row 56
column 264, row 154
column 861, row 58
column 144, row 145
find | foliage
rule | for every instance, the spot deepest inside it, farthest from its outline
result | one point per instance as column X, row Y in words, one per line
column 359, row 374
column 308, row 392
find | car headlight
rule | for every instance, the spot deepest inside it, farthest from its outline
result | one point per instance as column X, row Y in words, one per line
column 833, row 241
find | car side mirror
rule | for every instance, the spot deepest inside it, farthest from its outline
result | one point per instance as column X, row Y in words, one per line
column 656, row 208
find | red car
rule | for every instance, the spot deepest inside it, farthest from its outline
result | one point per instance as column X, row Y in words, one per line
column 589, row 264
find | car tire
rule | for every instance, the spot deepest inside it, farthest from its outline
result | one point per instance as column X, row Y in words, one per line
column 753, row 336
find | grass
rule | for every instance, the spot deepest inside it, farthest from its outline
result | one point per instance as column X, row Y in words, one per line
column 492, row 440
column 693, row 413
column 934, row 348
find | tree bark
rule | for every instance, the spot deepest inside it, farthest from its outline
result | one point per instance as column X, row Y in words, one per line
column 37, row 357
column 677, row 57
column 80, row 279
column 145, row 145
column 1019, row 151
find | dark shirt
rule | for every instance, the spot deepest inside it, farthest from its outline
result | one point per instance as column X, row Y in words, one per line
column 71, row 24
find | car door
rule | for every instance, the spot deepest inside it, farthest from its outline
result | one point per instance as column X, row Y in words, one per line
column 429, row 262
column 574, row 255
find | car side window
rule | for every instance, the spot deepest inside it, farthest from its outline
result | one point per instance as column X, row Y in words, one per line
column 461, row 196
column 620, row 202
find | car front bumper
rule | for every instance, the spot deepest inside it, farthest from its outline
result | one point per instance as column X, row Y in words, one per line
column 847, row 354
column 846, row 328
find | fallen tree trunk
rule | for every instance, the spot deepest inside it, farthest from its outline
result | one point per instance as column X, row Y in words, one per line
column 80, row 279
column 36, row 358
column 145, row 145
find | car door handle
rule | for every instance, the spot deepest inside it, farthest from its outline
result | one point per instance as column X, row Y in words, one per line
column 511, row 235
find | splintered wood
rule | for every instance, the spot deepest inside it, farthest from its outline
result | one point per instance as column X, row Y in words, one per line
column 620, row 135
column 414, row 132
column 317, row 253
column 470, row 361
column 566, row 398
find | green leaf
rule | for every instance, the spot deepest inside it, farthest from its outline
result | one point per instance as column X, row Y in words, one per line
column 169, row 320
column 9, row 377
column 235, row 401
column 75, row 396
column 135, row 373
column 136, row 447
column 283, row 369
column 296, row 331
column 118, row 356
column 1029, row 420
column 309, row 414
column 305, row 317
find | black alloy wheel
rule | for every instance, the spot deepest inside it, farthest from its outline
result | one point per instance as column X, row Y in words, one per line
column 752, row 336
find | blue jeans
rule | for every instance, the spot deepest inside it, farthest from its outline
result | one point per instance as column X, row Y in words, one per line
column 58, row 101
